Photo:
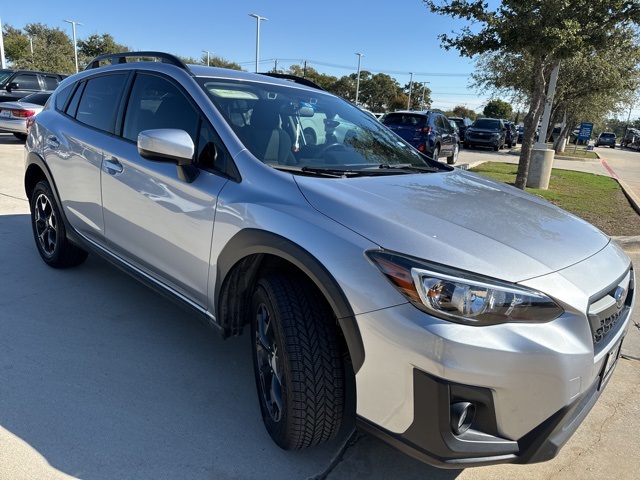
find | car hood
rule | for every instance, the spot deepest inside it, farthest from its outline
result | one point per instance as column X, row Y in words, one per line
column 458, row 219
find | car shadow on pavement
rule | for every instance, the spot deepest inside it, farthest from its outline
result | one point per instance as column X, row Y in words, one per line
column 104, row 378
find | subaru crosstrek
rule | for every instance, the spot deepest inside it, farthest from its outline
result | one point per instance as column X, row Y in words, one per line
column 479, row 324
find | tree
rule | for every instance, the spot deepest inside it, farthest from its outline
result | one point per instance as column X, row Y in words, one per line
column 497, row 109
column 96, row 45
column 544, row 32
column 463, row 111
column 52, row 48
column 217, row 61
column 378, row 92
column 311, row 74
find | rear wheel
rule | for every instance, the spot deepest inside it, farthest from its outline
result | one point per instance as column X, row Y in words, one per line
column 297, row 362
column 436, row 153
column 49, row 231
column 454, row 156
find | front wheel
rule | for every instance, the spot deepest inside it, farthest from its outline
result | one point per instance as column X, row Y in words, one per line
column 454, row 156
column 49, row 231
column 297, row 362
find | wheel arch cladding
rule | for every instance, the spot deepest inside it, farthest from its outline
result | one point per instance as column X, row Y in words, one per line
column 247, row 254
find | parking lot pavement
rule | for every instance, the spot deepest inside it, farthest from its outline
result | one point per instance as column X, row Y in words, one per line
column 101, row 378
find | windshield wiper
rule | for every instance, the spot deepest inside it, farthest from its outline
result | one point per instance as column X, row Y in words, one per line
column 344, row 172
column 408, row 167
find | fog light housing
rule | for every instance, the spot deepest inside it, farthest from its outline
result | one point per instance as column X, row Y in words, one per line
column 462, row 416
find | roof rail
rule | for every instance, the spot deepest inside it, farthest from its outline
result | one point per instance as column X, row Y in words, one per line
column 117, row 58
column 293, row 78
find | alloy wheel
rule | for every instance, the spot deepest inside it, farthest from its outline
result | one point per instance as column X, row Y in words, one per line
column 267, row 352
column 46, row 224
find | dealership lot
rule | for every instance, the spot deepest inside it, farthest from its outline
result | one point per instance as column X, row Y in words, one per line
column 102, row 378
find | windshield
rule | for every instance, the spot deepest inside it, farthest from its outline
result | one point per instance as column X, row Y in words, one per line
column 4, row 76
column 487, row 124
column 307, row 129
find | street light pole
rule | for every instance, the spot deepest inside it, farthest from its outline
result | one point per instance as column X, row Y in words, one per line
column 360, row 55
column 424, row 87
column 208, row 56
column 3, row 63
column 410, row 86
column 75, row 44
column 258, row 19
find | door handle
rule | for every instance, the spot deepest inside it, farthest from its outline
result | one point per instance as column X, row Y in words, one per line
column 52, row 142
column 112, row 166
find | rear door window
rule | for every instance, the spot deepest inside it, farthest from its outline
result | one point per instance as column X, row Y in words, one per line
column 100, row 100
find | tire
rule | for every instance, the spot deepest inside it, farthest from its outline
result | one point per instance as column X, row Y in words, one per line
column 298, row 366
column 454, row 157
column 20, row 136
column 49, row 231
column 496, row 148
column 467, row 145
column 436, row 153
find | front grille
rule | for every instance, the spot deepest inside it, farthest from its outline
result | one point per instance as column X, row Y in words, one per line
column 606, row 325
column 608, row 309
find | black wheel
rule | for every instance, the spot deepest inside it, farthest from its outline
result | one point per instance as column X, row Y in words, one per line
column 436, row 153
column 49, row 231
column 454, row 156
column 496, row 148
column 297, row 362
column 20, row 136
column 467, row 145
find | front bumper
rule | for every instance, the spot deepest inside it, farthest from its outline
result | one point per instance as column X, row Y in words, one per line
column 431, row 440
column 482, row 140
column 531, row 384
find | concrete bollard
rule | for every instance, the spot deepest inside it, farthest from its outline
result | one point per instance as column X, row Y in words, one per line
column 540, row 168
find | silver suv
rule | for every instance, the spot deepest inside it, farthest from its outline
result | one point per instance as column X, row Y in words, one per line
column 477, row 323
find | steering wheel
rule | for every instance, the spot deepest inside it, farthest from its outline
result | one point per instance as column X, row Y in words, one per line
column 331, row 146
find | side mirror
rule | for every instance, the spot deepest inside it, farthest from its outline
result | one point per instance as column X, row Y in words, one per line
column 169, row 145
column 12, row 86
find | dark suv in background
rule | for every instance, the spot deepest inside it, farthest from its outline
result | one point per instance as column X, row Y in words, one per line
column 16, row 84
column 486, row 132
column 428, row 131
column 463, row 124
column 511, row 134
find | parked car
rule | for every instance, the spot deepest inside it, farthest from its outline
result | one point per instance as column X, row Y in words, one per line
column 486, row 132
column 520, row 131
column 463, row 124
column 428, row 131
column 511, row 134
column 16, row 84
column 464, row 313
column 607, row 139
column 17, row 117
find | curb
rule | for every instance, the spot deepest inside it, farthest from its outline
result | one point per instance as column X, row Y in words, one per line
column 628, row 244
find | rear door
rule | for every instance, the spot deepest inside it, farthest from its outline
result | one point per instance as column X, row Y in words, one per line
column 447, row 135
column 154, row 220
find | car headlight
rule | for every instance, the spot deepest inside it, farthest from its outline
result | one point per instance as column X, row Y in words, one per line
column 460, row 296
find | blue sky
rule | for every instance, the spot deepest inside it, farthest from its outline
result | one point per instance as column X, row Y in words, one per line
column 395, row 37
